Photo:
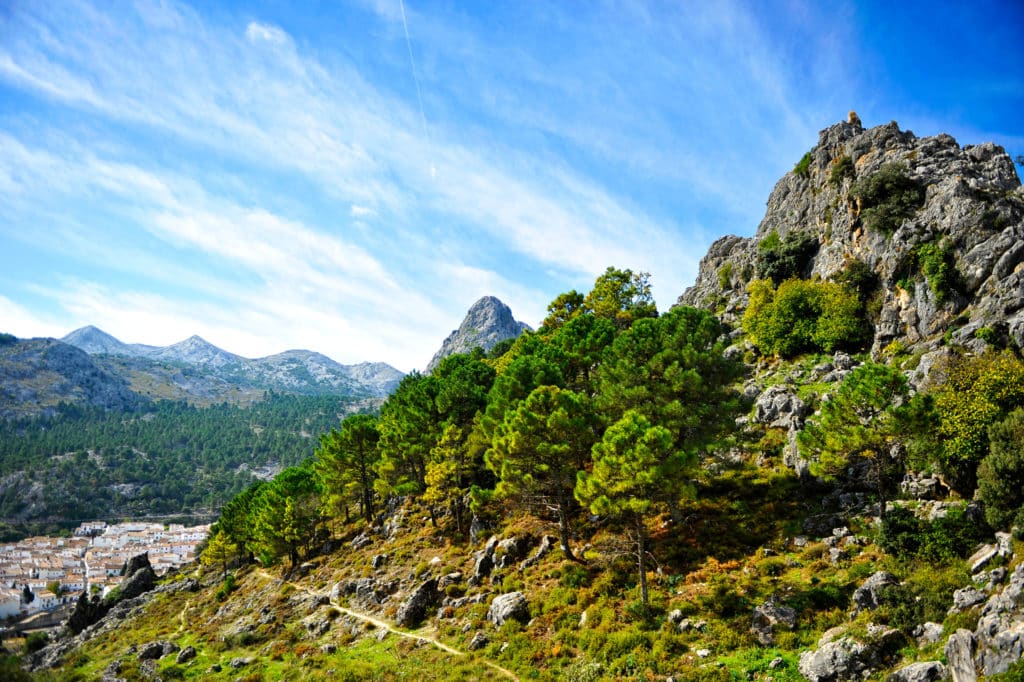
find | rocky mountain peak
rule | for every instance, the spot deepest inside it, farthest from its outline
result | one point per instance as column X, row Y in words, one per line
column 843, row 198
column 487, row 322
column 94, row 340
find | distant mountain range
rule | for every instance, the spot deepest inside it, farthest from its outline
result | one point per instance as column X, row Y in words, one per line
column 89, row 365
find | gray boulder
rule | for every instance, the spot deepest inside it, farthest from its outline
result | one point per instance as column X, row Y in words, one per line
column 928, row 671
column 1000, row 632
column 185, row 655
column 965, row 598
column 769, row 616
column 960, row 656
column 869, row 595
column 546, row 543
column 779, row 407
column 511, row 606
column 836, row 661
column 479, row 641
column 414, row 609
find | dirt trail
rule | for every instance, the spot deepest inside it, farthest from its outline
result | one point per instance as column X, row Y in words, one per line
column 384, row 625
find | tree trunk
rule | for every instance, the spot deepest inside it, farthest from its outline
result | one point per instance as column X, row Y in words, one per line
column 641, row 550
column 563, row 533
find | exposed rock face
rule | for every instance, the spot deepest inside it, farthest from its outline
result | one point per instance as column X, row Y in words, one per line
column 960, row 656
column 1000, row 631
column 843, row 659
column 487, row 322
column 973, row 203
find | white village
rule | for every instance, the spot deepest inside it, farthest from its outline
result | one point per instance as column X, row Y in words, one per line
column 40, row 574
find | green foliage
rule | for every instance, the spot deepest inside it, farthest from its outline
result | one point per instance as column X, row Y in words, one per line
column 888, row 197
column 725, row 276
column 804, row 315
column 285, row 515
column 540, row 446
column 803, row 166
column 979, row 392
column 8, row 339
column 622, row 296
column 859, row 277
column 219, row 551
column 171, row 458
column 1001, row 472
column 842, row 168
column 861, row 420
column 36, row 641
column 229, row 585
column 939, row 267
column 779, row 260
column 945, row 539
column 346, row 465
column 409, row 426
column 673, row 371
column 635, row 464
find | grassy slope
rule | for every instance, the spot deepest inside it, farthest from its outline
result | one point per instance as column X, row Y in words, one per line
column 733, row 551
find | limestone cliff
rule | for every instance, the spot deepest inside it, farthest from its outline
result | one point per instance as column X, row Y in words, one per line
column 971, row 207
column 487, row 322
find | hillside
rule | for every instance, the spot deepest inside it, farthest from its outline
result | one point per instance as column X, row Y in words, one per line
column 788, row 476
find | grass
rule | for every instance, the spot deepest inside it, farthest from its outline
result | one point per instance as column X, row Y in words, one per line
column 732, row 551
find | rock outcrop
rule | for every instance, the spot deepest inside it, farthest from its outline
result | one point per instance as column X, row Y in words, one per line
column 973, row 205
column 487, row 322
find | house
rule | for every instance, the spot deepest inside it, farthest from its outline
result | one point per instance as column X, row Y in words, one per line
column 10, row 602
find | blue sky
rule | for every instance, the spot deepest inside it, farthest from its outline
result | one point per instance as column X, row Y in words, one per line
column 278, row 175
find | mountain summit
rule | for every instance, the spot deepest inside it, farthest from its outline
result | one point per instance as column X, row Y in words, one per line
column 487, row 322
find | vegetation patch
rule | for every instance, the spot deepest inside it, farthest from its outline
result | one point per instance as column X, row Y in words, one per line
column 887, row 198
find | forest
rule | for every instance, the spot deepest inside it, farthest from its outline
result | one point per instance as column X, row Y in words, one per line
column 613, row 411
column 167, row 459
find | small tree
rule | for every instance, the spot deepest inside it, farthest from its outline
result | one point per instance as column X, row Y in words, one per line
column 26, row 595
column 539, row 448
column 633, row 467
column 1001, row 473
column 219, row 551
column 861, row 420
column 54, row 586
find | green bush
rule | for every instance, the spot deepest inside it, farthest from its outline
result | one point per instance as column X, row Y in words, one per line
column 1001, row 473
column 945, row 539
column 858, row 276
column 803, row 166
column 8, row 339
column 227, row 587
column 780, row 259
column 803, row 316
column 888, row 197
column 35, row 641
column 725, row 275
column 843, row 168
column 939, row 268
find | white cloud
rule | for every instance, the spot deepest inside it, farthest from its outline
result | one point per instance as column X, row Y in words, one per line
column 24, row 323
column 257, row 32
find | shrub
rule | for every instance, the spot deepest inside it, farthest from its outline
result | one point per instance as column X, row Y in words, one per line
column 803, row 166
column 35, row 641
column 888, row 197
column 942, row 540
column 804, row 316
column 1001, row 473
column 779, row 259
column 227, row 587
column 939, row 268
column 841, row 169
column 7, row 339
column 725, row 275
column 979, row 391
column 858, row 276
